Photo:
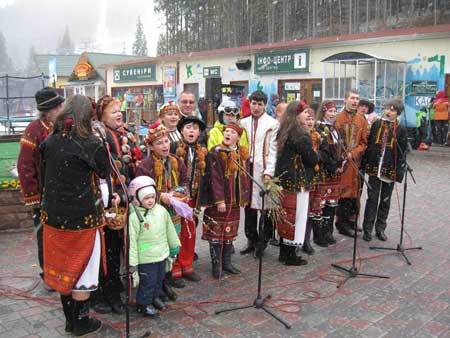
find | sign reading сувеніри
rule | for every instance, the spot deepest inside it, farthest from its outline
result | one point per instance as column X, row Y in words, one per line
column 145, row 72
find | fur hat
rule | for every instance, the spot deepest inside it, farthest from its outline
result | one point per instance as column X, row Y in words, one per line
column 191, row 119
column 103, row 103
column 48, row 98
column 155, row 132
column 236, row 127
column 169, row 106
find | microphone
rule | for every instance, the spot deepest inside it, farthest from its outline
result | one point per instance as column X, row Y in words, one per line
column 99, row 127
column 223, row 150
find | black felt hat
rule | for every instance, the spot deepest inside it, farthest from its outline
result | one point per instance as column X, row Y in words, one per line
column 368, row 104
column 190, row 119
column 48, row 98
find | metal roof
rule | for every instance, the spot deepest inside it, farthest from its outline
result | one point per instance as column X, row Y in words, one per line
column 352, row 57
column 64, row 63
column 439, row 31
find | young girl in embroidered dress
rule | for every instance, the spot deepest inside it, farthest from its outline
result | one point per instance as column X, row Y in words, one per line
column 227, row 189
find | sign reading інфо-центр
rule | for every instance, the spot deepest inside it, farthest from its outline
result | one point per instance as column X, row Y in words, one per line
column 282, row 62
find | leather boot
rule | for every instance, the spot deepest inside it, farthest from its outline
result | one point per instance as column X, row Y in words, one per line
column 292, row 258
column 117, row 305
column 307, row 248
column 260, row 247
column 328, row 229
column 226, row 260
column 250, row 248
column 82, row 324
column 319, row 232
column 177, row 283
column 215, row 251
column 67, row 304
column 284, row 252
column 169, row 291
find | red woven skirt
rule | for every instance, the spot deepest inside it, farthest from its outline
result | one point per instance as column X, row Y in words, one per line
column 330, row 190
column 221, row 226
column 286, row 225
column 66, row 255
column 315, row 203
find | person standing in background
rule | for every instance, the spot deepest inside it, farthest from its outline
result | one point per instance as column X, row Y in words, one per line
column 262, row 135
column 352, row 129
column 385, row 164
column 228, row 112
column 272, row 104
column 49, row 103
column 170, row 115
column 326, row 118
column 441, row 117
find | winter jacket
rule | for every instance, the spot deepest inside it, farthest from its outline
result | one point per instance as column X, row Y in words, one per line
column 295, row 165
column 352, row 129
column 222, row 187
column 441, row 106
column 70, row 169
column 151, row 240
column 386, row 152
column 28, row 163
column 421, row 119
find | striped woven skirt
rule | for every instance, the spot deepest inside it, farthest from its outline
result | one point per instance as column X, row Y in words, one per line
column 330, row 191
column 292, row 226
column 72, row 259
column 221, row 226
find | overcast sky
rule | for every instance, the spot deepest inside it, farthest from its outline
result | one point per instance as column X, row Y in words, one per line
column 108, row 25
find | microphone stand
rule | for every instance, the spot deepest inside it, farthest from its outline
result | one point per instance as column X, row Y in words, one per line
column 259, row 301
column 127, row 234
column 400, row 249
column 353, row 270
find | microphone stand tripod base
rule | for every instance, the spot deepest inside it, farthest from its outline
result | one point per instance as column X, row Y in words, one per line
column 400, row 249
column 353, row 273
column 258, row 304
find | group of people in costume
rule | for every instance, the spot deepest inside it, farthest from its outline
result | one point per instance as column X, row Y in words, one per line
column 81, row 176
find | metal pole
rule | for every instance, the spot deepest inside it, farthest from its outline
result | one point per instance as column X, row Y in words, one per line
column 7, row 98
column 375, row 84
column 339, row 80
column 404, row 82
column 356, row 74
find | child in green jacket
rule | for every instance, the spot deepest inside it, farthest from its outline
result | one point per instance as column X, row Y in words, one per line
column 421, row 129
column 151, row 243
